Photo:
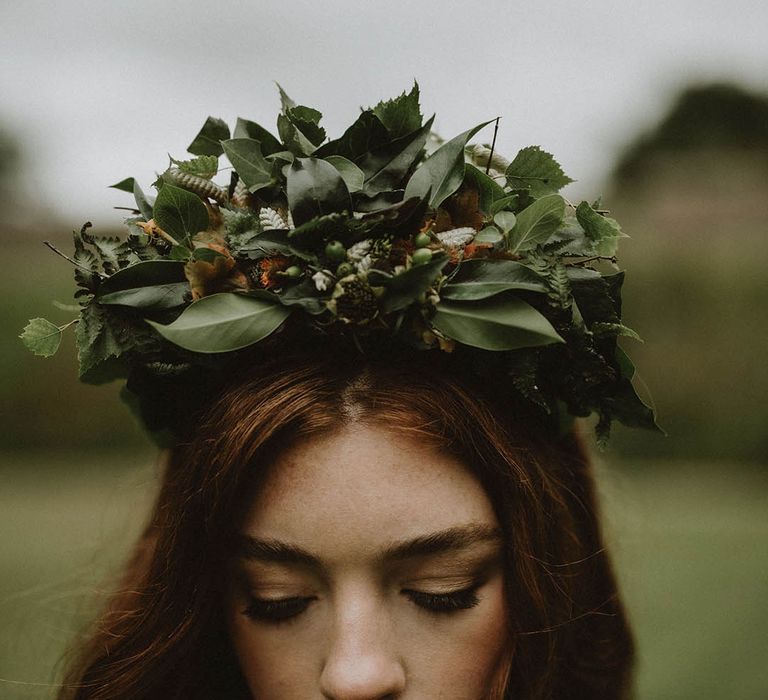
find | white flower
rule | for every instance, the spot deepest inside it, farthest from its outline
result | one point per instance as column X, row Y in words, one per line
column 322, row 280
column 456, row 237
column 358, row 251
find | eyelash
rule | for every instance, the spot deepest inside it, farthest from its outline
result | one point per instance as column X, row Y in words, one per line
column 283, row 610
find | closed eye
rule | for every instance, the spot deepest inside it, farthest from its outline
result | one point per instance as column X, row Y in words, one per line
column 445, row 602
column 278, row 610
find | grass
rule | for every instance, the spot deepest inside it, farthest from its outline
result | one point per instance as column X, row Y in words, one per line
column 690, row 543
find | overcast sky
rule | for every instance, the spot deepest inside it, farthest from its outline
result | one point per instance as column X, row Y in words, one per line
column 102, row 90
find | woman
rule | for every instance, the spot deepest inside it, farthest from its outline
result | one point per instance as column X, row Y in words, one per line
column 502, row 589
column 366, row 362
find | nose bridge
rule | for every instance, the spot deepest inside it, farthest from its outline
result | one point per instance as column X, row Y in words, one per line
column 362, row 660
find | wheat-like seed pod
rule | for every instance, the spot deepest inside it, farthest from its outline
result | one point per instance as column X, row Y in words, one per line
column 240, row 195
column 270, row 219
column 198, row 185
column 479, row 156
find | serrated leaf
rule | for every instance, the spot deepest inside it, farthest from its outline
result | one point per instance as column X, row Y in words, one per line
column 363, row 137
column 387, row 165
column 480, row 279
column 501, row 323
column 402, row 114
column 97, row 341
column 537, row 171
column 536, row 223
column 249, row 162
column 246, row 129
column 41, row 337
column 602, row 231
column 295, row 141
column 223, row 323
column 285, row 101
column 443, row 172
column 202, row 166
column 209, row 138
column 410, row 284
column 314, row 188
column 180, row 213
column 350, row 173
column 307, row 121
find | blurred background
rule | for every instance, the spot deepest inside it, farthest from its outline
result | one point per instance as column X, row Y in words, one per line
column 660, row 107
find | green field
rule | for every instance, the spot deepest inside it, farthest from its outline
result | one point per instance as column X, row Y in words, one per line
column 690, row 540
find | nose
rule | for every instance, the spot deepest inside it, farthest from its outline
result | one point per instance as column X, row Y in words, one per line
column 362, row 662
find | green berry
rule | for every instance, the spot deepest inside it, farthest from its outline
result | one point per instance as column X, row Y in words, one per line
column 421, row 256
column 422, row 240
column 335, row 250
column 294, row 272
column 344, row 269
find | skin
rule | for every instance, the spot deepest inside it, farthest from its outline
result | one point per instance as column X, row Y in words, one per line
column 357, row 526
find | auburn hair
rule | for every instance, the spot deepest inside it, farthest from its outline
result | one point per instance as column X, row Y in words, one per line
column 162, row 634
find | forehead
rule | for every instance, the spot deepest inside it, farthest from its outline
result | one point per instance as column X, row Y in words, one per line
column 361, row 488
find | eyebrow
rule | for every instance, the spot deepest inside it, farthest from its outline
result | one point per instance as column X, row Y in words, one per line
column 440, row 542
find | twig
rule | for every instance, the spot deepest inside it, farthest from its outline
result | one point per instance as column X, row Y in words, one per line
column 594, row 258
column 70, row 260
column 493, row 146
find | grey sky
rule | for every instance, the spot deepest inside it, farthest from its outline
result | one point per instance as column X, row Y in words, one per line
column 103, row 90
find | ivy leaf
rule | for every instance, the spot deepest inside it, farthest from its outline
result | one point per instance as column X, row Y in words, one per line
column 537, row 171
column 41, row 337
column 202, row 166
column 387, row 165
column 536, row 223
column 350, row 173
column 603, row 231
column 209, row 138
column 410, row 284
column 489, row 191
column 248, row 160
column 443, row 171
column 314, row 188
column 223, row 323
column 479, row 279
column 364, row 136
column 402, row 114
column 503, row 323
column 246, row 129
column 180, row 213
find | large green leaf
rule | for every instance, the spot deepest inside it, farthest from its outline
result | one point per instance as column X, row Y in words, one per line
column 406, row 287
column 479, row 279
column 350, row 173
column 537, row 171
column 536, row 223
column 315, row 188
column 502, row 323
column 180, row 213
column 443, row 172
column 246, row 129
column 159, row 284
column 223, row 323
column 157, row 296
column 386, row 166
column 249, row 162
column 400, row 115
column 209, row 138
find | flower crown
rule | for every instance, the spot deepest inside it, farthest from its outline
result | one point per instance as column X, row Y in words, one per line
column 386, row 231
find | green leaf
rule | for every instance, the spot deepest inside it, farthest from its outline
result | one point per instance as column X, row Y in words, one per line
column 402, row 114
column 490, row 234
column 249, row 162
column 489, row 190
column 180, row 213
column 603, row 231
column 223, row 323
column 502, row 323
column 387, row 165
column 124, row 185
column 506, row 202
column 209, row 138
column 611, row 330
column 505, row 220
column 272, row 242
column 145, row 207
column 536, row 170
column 350, row 173
column 159, row 296
column 295, row 141
column 97, row 341
column 363, row 137
column 307, row 121
column 246, row 129
column 143, row 274
column 442, row 173
column 202, row 166
column 314, row 188
column 479, row 279
column 41, row 337
column 285, row 101
column 536, row 223
column 410, row 284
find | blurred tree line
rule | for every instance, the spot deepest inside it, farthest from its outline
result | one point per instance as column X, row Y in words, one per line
column 692, row 194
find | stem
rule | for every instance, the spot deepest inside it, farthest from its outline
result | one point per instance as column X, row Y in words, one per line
column 594, row 258
column 493, row 145
column 67, row 325
column 70, row 260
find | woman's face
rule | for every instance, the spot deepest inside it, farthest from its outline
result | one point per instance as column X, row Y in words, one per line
column 369, row 567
